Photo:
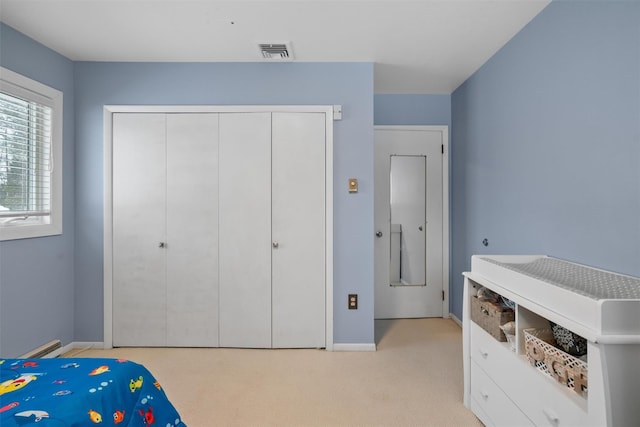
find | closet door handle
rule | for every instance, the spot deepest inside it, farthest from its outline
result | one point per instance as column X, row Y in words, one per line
column 162, row 245
column 275, row 244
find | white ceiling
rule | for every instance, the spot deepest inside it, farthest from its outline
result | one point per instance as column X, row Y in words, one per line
column 422, row 46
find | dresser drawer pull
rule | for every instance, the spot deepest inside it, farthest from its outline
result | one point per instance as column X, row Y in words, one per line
column 551, row 416
column 483, row 353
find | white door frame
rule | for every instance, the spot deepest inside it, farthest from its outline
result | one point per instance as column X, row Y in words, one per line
column 445, row 203
column 108, row 112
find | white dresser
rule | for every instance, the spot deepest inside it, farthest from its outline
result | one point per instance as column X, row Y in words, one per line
column 500, row 385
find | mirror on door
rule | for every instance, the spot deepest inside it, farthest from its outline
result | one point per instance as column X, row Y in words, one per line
column 407, row 204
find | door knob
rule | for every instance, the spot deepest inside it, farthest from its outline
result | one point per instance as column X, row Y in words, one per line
column 420, row 227
column 275, row 244
column 379, row 234
column 162, row 244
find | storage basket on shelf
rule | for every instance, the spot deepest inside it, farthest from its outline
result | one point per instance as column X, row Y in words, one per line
column 490, row 316
column 547, row 358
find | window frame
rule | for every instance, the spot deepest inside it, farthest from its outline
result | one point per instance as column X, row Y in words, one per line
column 23, row 87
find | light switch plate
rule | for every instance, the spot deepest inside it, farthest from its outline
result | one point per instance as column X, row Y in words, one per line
column 353, row 185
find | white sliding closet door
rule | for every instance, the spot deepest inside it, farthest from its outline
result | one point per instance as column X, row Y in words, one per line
column 272, row 230
column 192, row 230
column 139, row 185
column 245, row 230
column 219, row 235
column 165, row 230
column 298, row 227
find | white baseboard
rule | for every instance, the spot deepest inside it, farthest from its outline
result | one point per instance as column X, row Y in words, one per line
column 455, row 319
column 87, row 345
column 354, row 347
column 82, row 345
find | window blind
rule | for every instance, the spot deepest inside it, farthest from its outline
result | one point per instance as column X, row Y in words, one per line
column 25, row 159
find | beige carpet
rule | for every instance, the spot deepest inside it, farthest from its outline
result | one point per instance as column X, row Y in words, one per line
column 413, row 379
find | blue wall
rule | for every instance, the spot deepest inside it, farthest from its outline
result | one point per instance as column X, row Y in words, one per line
column 416, row 110
column 36, row 275
column 348, row 84
column 545, row 152
column 546, row 143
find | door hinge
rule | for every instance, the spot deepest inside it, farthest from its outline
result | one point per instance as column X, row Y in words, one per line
column 442, row 295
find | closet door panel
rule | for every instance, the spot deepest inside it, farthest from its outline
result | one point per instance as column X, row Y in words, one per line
column 245, row 230
column 298, row 146
column 192, row 230
column 139, row 295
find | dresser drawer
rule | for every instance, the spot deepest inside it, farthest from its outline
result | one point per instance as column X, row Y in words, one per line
column 543, row 400
column 492, row 400
column 478, row 411
column 548, row 403
column 491, row 355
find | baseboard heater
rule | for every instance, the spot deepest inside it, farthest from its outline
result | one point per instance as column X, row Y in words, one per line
column 43, row 350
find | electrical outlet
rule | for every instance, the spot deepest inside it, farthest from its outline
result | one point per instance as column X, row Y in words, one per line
column 353, row 301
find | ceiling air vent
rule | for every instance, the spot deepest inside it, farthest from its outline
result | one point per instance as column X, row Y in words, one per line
column 276, row 51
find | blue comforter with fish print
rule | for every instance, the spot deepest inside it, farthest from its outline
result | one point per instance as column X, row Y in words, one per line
column 82, row 392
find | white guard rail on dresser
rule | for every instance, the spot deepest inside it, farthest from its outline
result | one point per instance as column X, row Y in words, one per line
column 500, row 385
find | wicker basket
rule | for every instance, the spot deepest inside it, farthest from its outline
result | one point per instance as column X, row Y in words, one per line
column 490, row 316
column 564, row 368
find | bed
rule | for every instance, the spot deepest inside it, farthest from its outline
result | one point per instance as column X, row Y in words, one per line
column 82, row 392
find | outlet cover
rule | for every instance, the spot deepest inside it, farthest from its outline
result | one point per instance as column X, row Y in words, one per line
column 353, row 301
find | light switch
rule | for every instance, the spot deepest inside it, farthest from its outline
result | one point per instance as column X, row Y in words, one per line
column 353, row 185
